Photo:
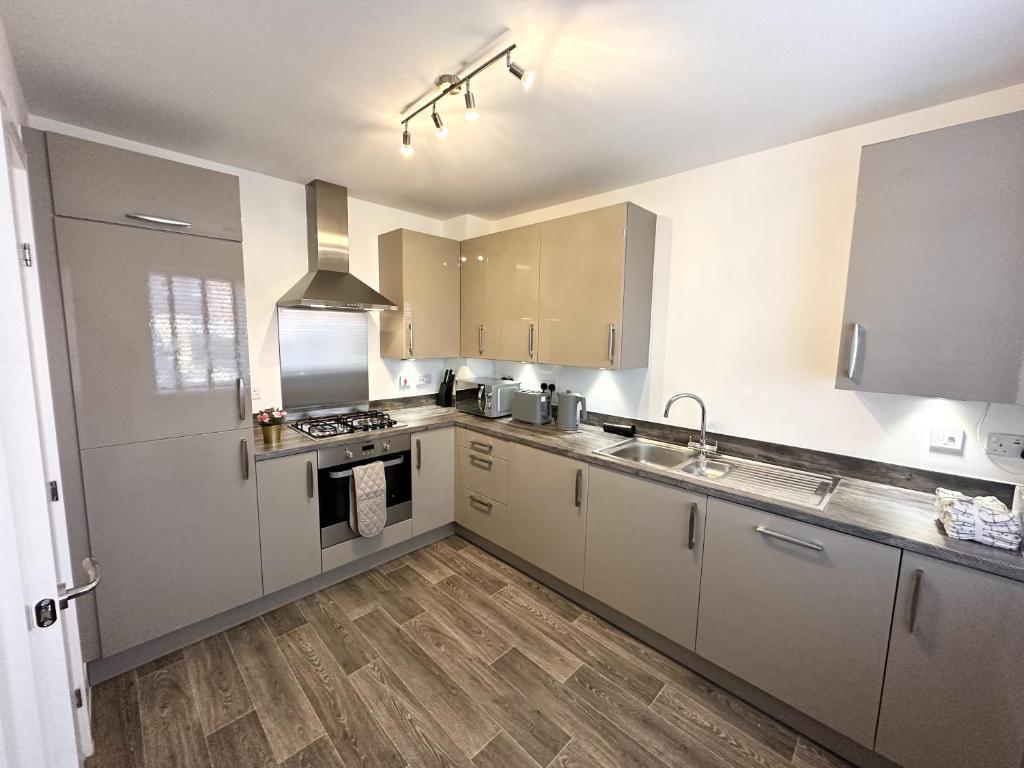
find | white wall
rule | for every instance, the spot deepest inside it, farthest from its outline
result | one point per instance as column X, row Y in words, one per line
column 751, row 262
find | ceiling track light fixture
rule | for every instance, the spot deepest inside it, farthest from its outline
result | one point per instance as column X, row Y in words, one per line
column 452, row 84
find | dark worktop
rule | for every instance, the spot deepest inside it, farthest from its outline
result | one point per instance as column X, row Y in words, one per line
column 883, row 513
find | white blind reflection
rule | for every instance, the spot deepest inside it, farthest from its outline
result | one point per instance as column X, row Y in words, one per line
column 194, row 332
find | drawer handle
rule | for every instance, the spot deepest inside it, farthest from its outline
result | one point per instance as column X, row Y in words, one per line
column 915, row 593
column 482, row 447
column 159, row 220
column 789, row 539
column 579, row 488
column 690, row 537
column 309, row 479
column 245, row 458
column 480, row 461
column 480, row 503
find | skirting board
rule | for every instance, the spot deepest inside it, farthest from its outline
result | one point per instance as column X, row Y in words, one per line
column 106, row 668
column 836, row 742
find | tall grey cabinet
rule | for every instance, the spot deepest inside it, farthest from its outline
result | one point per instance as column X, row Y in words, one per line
column 152, row 309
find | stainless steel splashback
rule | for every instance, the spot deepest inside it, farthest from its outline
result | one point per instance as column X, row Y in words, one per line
column 323, row 359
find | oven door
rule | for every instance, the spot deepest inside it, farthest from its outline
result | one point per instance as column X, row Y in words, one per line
column 336, row 496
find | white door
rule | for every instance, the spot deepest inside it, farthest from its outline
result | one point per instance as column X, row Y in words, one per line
column 40, row 667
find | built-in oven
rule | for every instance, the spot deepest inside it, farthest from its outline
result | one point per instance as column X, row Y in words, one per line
column 337, row 499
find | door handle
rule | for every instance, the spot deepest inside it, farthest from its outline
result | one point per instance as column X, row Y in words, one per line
column 92, row 569
column 611, row 342
column 245, row 458
column 790, row 539
column 856, row 338
column 691, row 535
column 480, row 338
column 412, row 344
column 529, row 343
column 309, row 479
column 480, row 461
column 159, row 220
column 579, row 488
column 419, row 453
column 915, row 594
column 241, row 399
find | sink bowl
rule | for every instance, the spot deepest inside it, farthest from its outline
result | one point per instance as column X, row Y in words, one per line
column 710, row 469
column 649, row 452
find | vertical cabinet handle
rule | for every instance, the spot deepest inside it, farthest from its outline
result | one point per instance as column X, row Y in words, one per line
column 611, row 342
column 529, row 343
column 915, row 593
column 480, row 338
column 245, row 458
column 241, row 399
column 856, row 338
column 579, row 488
column 690, row 537
column 419, row 454
column 412, row 343
column 309, row 479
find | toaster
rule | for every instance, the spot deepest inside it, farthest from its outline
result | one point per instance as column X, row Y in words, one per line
column 491, row 398
column 531, row 406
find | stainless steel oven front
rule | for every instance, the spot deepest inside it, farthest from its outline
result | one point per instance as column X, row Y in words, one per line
column 335, row 475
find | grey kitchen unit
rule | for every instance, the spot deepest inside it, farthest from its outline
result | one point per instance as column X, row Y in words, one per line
column 936, row 266
column 289, row 515
column 801, row 612
column 954, row 682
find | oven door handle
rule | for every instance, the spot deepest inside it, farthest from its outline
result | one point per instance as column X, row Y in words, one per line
column 348, row 472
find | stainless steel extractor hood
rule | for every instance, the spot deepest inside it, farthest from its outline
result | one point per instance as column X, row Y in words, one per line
column 328, row 284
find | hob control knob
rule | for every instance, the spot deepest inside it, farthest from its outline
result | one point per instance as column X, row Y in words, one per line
column 348, row 454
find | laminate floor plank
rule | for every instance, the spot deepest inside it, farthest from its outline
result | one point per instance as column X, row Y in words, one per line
column 456, row 542
column 575, row 717
column 284, row 619
column 320, row 754
column 398, row 605
column 284, row 711
column 241, row 744
column 428, row 566
column 469, row 726
column 356, row 735
column 532, row 730
column 464, row 624
column 220, row 692
column 164, row 661
column 565, row 608
column 352, row 598
column 337, row 630
column 612, row 665
column 420, row 738
column 810, row 755
column 549, row 655
column 116, row 730
column 504, row 752
column 172, row 735
column 483, row 579
column 576, row 755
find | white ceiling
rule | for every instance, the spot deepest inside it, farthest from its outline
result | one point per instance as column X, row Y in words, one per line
column 627, row 90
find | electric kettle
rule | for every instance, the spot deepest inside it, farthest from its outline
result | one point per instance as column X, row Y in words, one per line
column 572, row 409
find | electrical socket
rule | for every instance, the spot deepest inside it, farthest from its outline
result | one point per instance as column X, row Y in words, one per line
column 947, row 441
column 1000, row 444
column 424, row 380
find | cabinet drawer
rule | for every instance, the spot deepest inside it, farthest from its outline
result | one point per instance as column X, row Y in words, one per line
column 355, row 549
column 808, row 624
column 484, row 474
column 103, row 183
column 481, row 515
column 483, row 444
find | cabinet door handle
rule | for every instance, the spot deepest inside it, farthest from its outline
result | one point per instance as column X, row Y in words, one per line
column 482, row 447
column 241, row 399
column 790, row 539
column 159, row 220
column 480, row 338
column 412, row 344
column 480, row 503
column 856, row 337
column 529, row 346
column 245, row 458
column 419, row 453
column 309, row 479
column 611, row 342
column 691, row 535
column 579, row 488
column 915, row 593
column 480, row 461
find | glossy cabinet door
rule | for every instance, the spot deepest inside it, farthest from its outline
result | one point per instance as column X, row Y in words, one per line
column 420, row 273
column 548, row 512
column 954, row 683
column 500, row 295
column 643, row 554
column 596, row 279
column 104, row 183
column 174, row 525
column 805, row 619
column 433, row 479
column 156, row 332
column 289, row 520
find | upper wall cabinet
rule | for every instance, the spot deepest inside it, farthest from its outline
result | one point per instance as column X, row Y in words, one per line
column 420, row 273
column 933, row 296
column 500, row 295
column 102, row 183
column 596, row 276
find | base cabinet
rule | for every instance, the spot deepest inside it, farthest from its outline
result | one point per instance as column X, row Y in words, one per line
column 289, row 520
column 954, row 682
column 643, row 555
column 433, row 479
column 805, row 619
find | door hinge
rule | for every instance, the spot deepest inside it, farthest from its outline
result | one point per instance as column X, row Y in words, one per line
column 26, row 254
column 78, row 698
column 54, row 493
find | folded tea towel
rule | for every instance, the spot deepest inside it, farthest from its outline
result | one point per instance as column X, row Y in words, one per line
column 369, row 499
column 983, row 518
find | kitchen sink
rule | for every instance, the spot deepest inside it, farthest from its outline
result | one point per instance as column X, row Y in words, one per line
column 650, row 452
column 709, row 469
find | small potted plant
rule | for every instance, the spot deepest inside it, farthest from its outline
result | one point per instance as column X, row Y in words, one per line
column 270, row 421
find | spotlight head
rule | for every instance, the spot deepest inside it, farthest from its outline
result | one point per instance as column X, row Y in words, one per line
column 471, row 113
column 406, row 142
column 526, row 77
column 441, row 129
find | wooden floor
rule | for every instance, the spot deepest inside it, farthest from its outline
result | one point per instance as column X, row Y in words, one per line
column 444, row 657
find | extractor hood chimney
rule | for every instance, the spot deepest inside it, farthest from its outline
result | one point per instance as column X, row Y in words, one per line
column 328, row 284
